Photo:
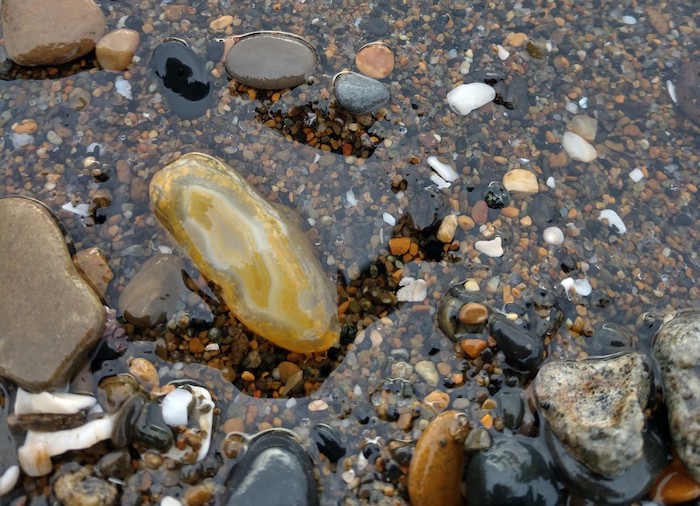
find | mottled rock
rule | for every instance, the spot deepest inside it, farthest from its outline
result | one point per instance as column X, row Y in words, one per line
column 436, row 466
column 49, row 315
column 271, row 60
column 513, row 472
column 269, row 275
column 359, row 94
column 677, row 351
column 115, row 50
column 585, row 126
column 496, row 195
column 595, row 407
column 82, row 488
column 71, row 30
column 153, row 293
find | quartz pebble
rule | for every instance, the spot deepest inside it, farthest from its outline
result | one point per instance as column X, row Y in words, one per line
column 8, row 479
column 466, row 97
column 521, row 181
column 613, row 219
column 175, row 407
column 492, row 248
column 553, row 236
column 595, row 408
column 578, row 148
column 447, row 229
column 444, row 169
column 636, row 175
column 412, row 290
column 116, row 49
column 72, row 30
column 268, row 272
column 359, row 94
column 585, row 126
column 426, row 369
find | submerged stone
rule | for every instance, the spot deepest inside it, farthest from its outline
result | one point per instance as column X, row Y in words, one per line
column 359, row 94
column 49, row 314
column 271, row 60
column 266, row 268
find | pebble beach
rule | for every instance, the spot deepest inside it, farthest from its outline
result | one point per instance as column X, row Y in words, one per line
column 502, row 199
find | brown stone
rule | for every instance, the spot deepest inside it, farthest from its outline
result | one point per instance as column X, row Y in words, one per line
column 437, row 400
column 480, row 212
column 94, row 267
column 399, row 245
column 473, row 313
column 375, row 60
column 49, row 316
column 115, row 50
column 472, row 347
column 287, row 370
column 37, row 33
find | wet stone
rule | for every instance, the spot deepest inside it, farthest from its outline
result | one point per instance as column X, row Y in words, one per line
column 510, row 407
column 152, row 295
column 151, row 428
column 8, row 450
column 115, row 50
column 75, row 27
column 512, row 472
column 113, row 391
column 677, row 352
column 49, row 315
column 125, row 423
column 81, row 488
column 595, row 407
column 360, row 94
column 496, row 195
column 523, row 351
column 375, row 60
column 688, row 90
column 115, row 464
column 327, row 440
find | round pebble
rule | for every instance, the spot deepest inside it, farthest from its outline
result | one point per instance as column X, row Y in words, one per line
column 466, row 97
column 553, row 236
column 375, row 60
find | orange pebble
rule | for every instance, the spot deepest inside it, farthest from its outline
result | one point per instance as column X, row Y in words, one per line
column 472, row 347
column 674, row 485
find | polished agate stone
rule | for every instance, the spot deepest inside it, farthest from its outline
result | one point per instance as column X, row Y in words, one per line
column 260, row 258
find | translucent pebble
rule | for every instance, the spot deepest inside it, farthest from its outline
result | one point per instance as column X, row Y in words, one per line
column 175, row 406
column 123, row 88
column 613, row 219
column 444, row 170
column 553, row 235
column 578, row 148
column 636, row 175
column 269, row 275
column 466, row 97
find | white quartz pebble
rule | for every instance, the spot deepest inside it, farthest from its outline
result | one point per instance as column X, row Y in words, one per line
column 388, row 219
column 580, row 286
column 613, row 219
column 466, row 97
column 636, row 175
column 503, row 53
column 46, row 402
column 578, row 148
column 412, row 290
column 169, row 501
column 445, row 170
column 553, row 235
column 492, row 248
column 8, row 480
column 175, row 407
column 521, row 181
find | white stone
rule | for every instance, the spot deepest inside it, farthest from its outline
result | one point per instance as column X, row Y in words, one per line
column 629, row 20
column 82, row 210
column 553, row 235
column 580, row 286
column 350, row 198
column 636, row 175
column 204, row 413
column 585, row 126
column 466, row 97
column 318, row 405
column 551, row 183
column 215, row 346
column 175, row 407
column 503, row 53
column 578, row 148
column 38, row 448
column 490, row 248
column 445, row 170
column 388, row 219
column 21, row 140
column 412, row 290
column 8, row 480
column 169, row 501
column 48, row 403
column 123, row 87
column 426, row 369
column 439, row 182
column 614, row 220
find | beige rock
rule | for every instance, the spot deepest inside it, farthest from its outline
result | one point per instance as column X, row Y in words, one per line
column 116, row 49
column 49, row 316
column 94, row 267
column 585, row 126
column 37, row 33
column 521, row 181
column 447, row 229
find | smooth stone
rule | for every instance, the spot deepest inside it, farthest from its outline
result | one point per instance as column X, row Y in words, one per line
column 613, row 219
column 427, row 370
column 513, row 472
column 125, row 421
column 116, row 49
column 152, row 295
column 677, row 352
column 116, row 464
column 448, row 228
column 176, row 406
column 436, row 466
column 270, row 61
column 82, row 488
column 35, row 37
column 474, row 314
column 491, row 248
column 113, row 391
column 523, row 351
column 275, row 470
column 49, row 314
column 585, row 126
column 426, row 207
column 328, row 441
column 94, row 267
column 443, row 168
column 464, row 98
column 375, row 60
column 496, row 195
column 688, row 90
column 268, row 272
column 151, row 428
column 521, row 181
column 553, row 236
column 8, row 448
column 360, row 94
column 578, row 148
column 595, row 407
column 182, row 78
column 510, row 407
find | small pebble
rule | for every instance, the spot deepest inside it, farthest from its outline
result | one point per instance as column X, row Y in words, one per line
column 553, row 235
column 636, row 175
column 521, row 181
column 448, row 227
column 427, row 370
column 444, row 169
column 614, row 220
column 578, row 148
column 466, row 97
column 492, row 248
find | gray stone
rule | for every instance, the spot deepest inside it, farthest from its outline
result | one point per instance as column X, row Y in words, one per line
column 677, row 351
column 49, row 316
column 80, row 487
column 35, row 37
column 359, row 94
column 688, row 90
column 595, row 408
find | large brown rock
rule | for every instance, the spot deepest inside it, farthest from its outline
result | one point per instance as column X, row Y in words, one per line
column 49, row 315
column 38, row 32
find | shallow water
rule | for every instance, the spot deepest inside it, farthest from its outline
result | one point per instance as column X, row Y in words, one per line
column 341, row 173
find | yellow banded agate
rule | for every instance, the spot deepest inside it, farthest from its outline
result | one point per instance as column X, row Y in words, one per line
column 264, row 264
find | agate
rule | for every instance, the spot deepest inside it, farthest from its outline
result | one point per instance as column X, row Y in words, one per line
column 260, row 258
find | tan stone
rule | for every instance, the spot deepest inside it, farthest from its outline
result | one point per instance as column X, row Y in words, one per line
column 473, row 313
column 287, row 370
column 221, row 23
column 37, row 33
column 115, row 50
column 94, row 267
column 447, row 229
column 521, row 181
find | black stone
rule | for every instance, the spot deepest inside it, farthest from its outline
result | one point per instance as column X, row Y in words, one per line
column 125, row 423
column 152, row 430
column 523, row 352
column 496, row 195
column 511, row 408
column 327, row 440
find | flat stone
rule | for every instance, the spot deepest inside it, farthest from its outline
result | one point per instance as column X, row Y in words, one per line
column 153, row 293
column 94, row 267
column 585, row 126
column 578, row 148
column 595, row 408
column 115, row 50
column 688, row 90
column 35, row 36
column 359, row 94
column 49, row 315
column 677, row 351
column 521, row 181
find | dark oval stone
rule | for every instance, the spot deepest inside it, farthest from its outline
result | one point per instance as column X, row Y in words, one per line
column 275, row 471
column 125, row 423
column 271, row 60
column 496, row 195
column 182, row 79
column 513, row 472
column 359, row 94
column 328, row 442
column 523, row 352
column 152, row 430
column 511, row 408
